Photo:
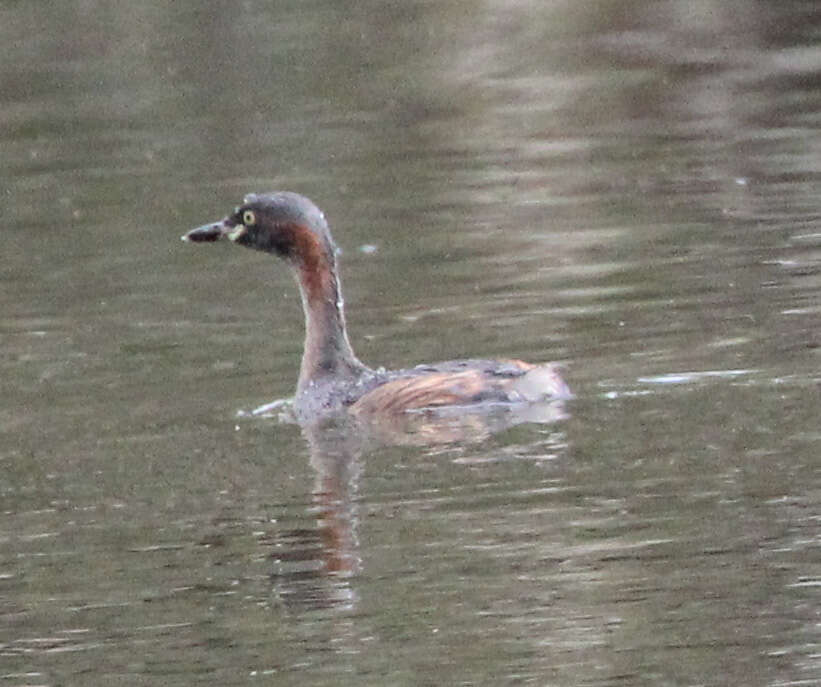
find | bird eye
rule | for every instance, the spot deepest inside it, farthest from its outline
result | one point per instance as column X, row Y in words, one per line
column 249, row 218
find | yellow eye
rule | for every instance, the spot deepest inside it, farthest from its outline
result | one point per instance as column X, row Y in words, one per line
column 249, row 218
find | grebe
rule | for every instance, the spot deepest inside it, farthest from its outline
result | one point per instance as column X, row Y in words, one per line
column 331, row 377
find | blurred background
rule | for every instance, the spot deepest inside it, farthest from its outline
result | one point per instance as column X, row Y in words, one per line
column 628, row 187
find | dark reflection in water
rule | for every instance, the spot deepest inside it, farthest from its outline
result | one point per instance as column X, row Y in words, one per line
column 313, row 566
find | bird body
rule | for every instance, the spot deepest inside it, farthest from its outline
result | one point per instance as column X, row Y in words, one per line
column 331, row 377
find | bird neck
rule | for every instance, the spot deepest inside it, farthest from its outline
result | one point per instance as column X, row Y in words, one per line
column 328, row 353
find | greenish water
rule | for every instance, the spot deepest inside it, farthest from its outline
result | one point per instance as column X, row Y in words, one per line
column 630, row 188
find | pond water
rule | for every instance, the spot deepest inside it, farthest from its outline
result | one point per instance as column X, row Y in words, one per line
column 629, row 188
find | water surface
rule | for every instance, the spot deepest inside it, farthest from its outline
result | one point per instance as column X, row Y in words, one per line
column 630, row 188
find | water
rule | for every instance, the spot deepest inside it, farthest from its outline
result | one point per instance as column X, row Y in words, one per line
column 629, row 188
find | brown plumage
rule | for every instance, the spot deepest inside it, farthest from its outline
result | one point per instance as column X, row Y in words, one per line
column 331, row 377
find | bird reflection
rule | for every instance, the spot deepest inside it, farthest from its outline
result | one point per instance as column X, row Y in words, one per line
column 314, row 567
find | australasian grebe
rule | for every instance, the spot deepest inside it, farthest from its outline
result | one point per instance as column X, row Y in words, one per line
column 331, row 377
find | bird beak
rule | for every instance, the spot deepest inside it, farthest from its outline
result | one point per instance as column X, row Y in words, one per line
column 214, row 232
column 209, row 232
